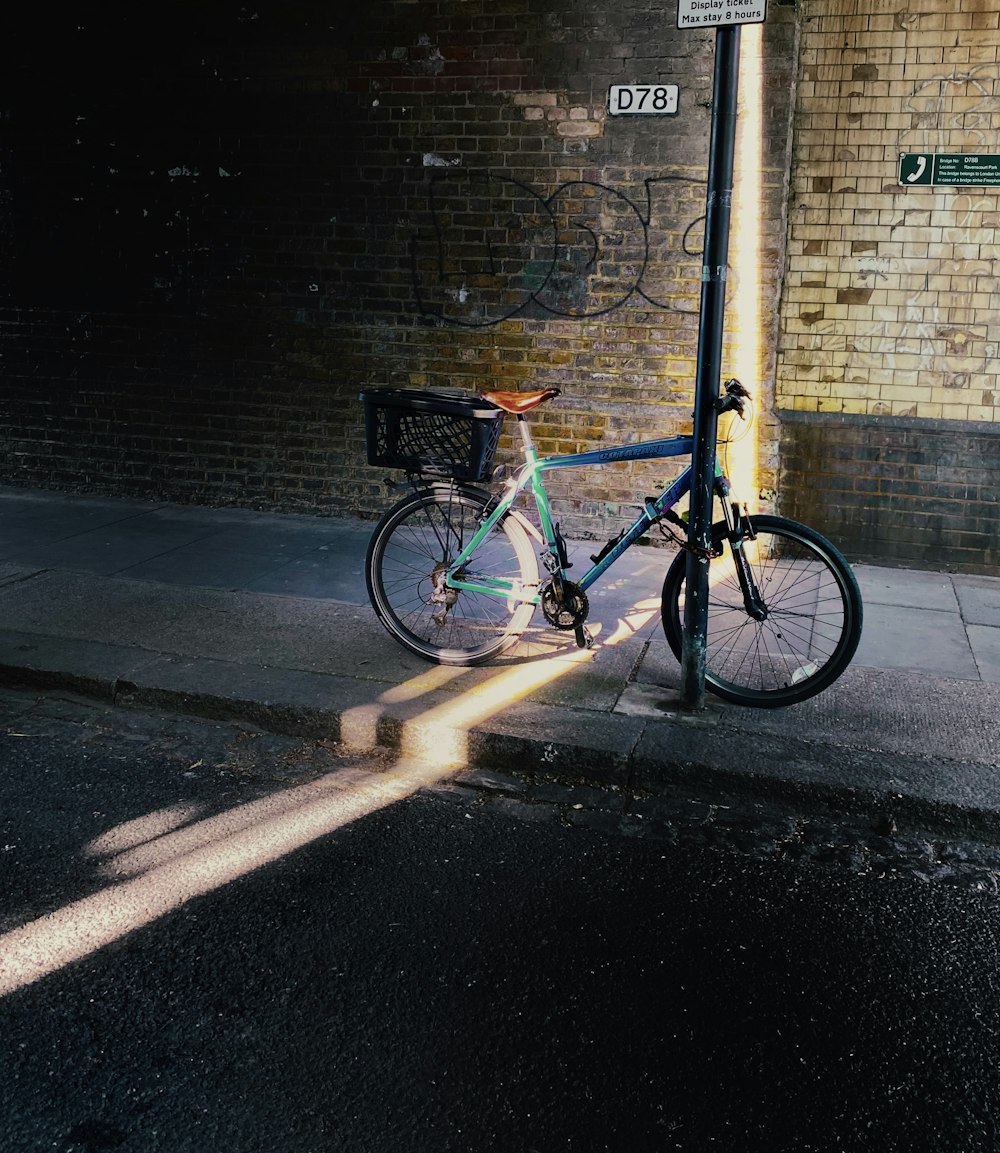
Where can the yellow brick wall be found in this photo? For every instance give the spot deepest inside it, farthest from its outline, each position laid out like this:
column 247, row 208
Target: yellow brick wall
column 892, row 298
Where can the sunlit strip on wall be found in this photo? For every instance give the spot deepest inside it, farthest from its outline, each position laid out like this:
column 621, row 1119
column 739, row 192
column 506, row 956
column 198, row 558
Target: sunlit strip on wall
column 745, row 312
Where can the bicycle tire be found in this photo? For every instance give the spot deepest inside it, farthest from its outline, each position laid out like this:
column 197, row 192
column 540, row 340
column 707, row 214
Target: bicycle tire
column 415, row 541
column 813, row 623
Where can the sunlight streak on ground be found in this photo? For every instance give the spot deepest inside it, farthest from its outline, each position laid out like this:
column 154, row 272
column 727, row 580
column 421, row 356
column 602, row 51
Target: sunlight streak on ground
column 634, row 622
column 158, row 862
column 141, row 830
column 442, row 731
column 202, row 858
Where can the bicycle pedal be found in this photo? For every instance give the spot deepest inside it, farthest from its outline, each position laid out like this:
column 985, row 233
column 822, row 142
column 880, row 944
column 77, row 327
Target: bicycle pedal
column 583, row 638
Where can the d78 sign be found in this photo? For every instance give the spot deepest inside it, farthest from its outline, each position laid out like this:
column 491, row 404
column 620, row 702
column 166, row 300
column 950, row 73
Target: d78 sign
column 643, row 99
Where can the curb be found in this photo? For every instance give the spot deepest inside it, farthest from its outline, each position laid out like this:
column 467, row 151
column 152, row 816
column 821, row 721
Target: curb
column 674, row 757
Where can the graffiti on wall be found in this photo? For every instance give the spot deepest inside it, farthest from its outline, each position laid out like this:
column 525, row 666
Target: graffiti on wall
column 489, row 247
column 958, row 108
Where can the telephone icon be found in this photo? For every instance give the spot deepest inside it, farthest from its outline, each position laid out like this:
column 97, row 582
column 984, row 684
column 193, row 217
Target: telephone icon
column 916, row 168
column 919, row 170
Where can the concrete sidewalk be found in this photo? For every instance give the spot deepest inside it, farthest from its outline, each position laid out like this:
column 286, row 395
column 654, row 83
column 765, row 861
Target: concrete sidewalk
column 265, row 618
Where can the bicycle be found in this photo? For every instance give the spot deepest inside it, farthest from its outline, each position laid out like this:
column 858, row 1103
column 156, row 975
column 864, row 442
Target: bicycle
column 452, row 571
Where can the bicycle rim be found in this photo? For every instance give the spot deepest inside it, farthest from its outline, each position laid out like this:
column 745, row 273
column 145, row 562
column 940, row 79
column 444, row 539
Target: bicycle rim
column 410, row 550
column 813, row 622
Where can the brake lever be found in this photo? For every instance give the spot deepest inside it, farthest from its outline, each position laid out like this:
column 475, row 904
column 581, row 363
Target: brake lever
column 734, row 400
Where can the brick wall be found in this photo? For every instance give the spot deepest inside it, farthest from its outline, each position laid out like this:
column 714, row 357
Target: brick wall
column 898, row 490
column 218, row 233
column 888, row 359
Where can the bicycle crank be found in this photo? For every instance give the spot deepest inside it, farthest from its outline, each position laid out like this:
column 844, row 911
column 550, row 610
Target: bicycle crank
column 566, row 607
column 565, row 611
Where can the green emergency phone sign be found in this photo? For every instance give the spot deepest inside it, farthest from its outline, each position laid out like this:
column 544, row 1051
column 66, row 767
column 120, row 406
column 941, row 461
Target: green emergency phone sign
column 916, row 168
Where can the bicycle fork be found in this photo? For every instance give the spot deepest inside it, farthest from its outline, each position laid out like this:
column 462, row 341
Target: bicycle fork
column 739, row 529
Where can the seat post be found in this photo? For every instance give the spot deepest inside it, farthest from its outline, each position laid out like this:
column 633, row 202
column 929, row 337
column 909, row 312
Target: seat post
column 525, row 431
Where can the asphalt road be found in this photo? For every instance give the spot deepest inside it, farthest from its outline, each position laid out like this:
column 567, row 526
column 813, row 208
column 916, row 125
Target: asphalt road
column 206, row 946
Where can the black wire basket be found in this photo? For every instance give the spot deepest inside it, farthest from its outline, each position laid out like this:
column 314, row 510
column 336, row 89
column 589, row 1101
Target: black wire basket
column 448, row 434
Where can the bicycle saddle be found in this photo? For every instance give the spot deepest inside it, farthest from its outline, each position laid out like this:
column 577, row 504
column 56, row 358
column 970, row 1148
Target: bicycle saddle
column 518, row 402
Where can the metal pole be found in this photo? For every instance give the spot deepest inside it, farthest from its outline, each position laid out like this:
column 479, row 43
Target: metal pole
column 709, row 371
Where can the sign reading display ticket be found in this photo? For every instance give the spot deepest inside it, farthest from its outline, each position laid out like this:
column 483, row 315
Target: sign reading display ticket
column 710, row 13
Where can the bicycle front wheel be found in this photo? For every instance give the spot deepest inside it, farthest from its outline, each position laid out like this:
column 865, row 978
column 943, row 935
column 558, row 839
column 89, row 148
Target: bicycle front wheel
column 412, row 548
column 811, row 607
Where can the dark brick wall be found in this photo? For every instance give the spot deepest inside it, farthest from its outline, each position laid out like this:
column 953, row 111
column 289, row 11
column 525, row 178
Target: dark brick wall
column 224, row 220
column 917, row 493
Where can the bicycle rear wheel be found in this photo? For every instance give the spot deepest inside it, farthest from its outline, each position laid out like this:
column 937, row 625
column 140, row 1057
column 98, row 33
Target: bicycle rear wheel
column 812, row 624
column 410, row 551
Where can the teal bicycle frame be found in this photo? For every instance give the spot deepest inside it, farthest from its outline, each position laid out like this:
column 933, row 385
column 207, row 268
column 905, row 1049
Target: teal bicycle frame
column 528, row 478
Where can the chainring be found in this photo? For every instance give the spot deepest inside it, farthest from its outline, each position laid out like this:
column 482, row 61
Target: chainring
column 574, row 608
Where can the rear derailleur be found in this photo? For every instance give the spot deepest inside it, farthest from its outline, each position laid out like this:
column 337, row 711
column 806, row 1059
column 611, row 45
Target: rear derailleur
column 441, row 594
